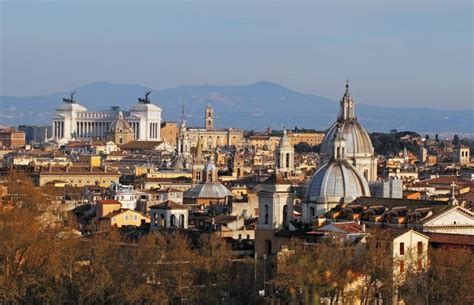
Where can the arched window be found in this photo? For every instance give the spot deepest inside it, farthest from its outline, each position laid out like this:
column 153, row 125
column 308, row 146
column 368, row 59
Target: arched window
column 181, row 221
column 173, row 220
column 162, row 221
column 266, row 214
column 285, row 215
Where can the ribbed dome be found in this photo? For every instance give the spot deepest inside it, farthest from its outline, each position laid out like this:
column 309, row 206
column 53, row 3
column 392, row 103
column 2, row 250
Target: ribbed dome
column 358, row 142
column 336, row 180
column 208, row 190
column 120, row 124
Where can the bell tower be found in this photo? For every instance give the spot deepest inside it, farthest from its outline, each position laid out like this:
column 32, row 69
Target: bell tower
column 285, row 155
column 209, row 117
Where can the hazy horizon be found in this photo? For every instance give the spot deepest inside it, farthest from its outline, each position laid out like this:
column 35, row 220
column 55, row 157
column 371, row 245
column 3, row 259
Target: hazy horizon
column 395, row 54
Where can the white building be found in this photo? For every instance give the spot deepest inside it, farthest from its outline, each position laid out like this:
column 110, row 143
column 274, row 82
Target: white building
column 389, row 188
column 124, row 194
column 285, row 155
column 455, row 220
column 168, row 215
column 73, row 121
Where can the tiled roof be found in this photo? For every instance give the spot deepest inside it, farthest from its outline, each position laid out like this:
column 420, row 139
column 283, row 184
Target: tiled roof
column 452, row 239
column 75, row 170
column 395, row 202
column 108, row 201
column 140, row 145
column 168, row 205
column 169, row 190
column 349, row 227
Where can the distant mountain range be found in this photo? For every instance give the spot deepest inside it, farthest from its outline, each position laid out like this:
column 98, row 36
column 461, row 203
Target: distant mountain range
column 255, row 106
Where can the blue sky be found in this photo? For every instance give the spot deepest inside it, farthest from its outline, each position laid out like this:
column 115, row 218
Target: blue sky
column 410, row 53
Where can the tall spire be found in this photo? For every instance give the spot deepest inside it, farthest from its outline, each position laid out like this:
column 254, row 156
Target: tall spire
column 198, row 157
column 183, row 117
column 347, row 105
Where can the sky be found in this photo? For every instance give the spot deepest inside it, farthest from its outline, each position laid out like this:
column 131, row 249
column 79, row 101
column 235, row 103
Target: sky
column 395, row 53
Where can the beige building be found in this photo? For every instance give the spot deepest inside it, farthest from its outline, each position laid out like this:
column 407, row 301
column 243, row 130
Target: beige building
column 78, row 175
column 310, row 138
column 264, row 142
column 120, row 131
column 211, row 139
column 169, row 132
column 122, row 218
column 12, row 138
column 462, row 155
column 106, row 206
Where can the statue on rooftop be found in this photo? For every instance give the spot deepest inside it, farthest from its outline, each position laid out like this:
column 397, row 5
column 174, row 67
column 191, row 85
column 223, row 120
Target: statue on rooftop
column 145, row 100
column 71, row 99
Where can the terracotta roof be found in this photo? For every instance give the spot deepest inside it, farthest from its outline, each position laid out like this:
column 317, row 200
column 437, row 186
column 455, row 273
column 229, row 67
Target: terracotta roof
column 396, row 202
column 169, row 190
column 140, row 145
column 451, row 239
column 118, row 212
column 349, row 227
column 108, row 201
column 168, row 205
column 76, row 169
column 175, row 180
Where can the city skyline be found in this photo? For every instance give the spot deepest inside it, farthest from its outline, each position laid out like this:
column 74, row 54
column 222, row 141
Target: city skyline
column 397, row 54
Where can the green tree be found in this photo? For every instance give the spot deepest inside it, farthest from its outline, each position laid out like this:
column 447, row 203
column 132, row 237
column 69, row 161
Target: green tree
column 456, row 140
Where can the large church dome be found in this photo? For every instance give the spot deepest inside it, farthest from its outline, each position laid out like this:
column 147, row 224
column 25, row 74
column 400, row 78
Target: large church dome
column 358, row 141
column 337, row 180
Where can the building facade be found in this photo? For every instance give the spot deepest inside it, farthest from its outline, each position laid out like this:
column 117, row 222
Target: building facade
column 73, row 121
column 12, row 138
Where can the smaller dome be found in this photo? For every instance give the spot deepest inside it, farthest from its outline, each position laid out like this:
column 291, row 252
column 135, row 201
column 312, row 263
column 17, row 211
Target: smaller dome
column 120, row 124
column 337, row 180
column 208, row 190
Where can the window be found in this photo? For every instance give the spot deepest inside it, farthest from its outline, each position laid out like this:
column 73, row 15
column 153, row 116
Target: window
column 311, row 212
column 126, row 217
column 285, row 215
column 420, row 264
column 402, row 248
column 240, row 236
column 135, row 217
column 173, row 220
column 420, row 248
column 248, row 236
column 266, row 214
column 181, row 221
column 402, row 266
